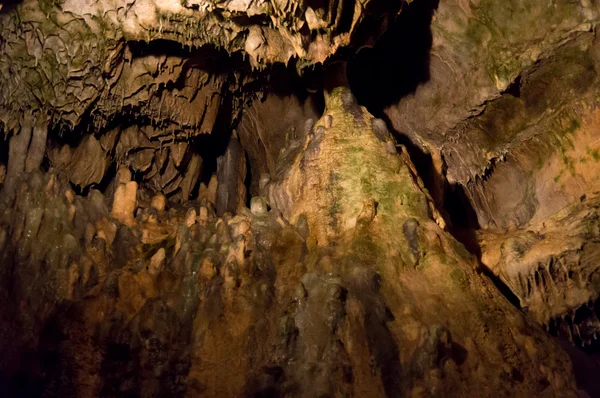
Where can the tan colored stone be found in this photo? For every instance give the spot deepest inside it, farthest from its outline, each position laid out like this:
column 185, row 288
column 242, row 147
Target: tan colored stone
column 159, row 202
column 209, row 192
column 154, row 233
column 106, row 230
column 72, row 210
column 157, row 262
column 203, row 215
column 125, row 202
column 258, row 206
column 190, row 218
column 89, row 233
column 2, row 173
column 207, row 269
column 213, row 185
column 123, row 175
column 70, row 195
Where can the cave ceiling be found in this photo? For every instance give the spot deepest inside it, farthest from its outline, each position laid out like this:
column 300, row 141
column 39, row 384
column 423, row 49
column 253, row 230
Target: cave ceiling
column 299, row 197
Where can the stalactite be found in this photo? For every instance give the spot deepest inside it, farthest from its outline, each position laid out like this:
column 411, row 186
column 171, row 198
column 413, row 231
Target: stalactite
column 17, row 155
column 37, row 146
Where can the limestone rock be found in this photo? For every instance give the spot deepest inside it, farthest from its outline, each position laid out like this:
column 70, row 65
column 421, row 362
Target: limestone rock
column 125, row 273
column 159, row 202
column 125, row 202
column 258, row 206
column 157, row 262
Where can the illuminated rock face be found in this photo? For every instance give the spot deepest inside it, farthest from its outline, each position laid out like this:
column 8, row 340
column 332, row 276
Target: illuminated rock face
column 363, row 294
column 96, row 50
column 194, row 202
column 377, row 225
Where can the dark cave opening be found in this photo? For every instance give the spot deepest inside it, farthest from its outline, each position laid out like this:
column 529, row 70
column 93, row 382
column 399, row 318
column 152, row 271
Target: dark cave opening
column 283, row 81
column 585, row 357
column 4, row 138
column 397, row 63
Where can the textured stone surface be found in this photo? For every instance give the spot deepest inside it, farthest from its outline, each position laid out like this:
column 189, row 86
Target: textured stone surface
column 552, row 268
column 341, row 278
column 508, row 83
column 373, row 298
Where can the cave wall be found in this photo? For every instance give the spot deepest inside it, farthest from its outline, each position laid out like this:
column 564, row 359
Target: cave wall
column 506, row 81
column 273, row 126
column 205, row 225
column 356, row 291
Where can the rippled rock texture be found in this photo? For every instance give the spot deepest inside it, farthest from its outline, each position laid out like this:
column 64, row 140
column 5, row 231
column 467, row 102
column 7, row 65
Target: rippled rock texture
column 299, row 198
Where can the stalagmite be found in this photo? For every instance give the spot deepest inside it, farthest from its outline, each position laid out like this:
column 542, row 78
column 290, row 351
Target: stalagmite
column 159, row 202
column 231, row 173
column 209, row 192
column 191, row 176
column 106, row 230
column 203, row 215
column 390, row 208
column 157, row 262
column 265, row 178
column 125, row 202
column 190, row 218
column 17, row 154
column 212, row 188
column 258, row 206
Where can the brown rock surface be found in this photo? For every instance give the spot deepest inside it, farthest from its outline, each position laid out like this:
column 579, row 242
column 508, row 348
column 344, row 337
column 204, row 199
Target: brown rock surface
column 135, row 134
column 376, row 299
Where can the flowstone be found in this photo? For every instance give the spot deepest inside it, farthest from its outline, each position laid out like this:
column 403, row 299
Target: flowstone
column 363, row 294
column 431, row 323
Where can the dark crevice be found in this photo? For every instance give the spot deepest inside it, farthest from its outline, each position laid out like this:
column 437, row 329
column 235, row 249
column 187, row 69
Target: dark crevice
column 248, row 180
column 515, row 88
column 8, row 5
column 109, row 176
column 346, row 16
column 379, row 77
column 398, row 62
column 207, row 57
column 284, row 81
column 500, row 285
column 585, row 359
column 3, row 146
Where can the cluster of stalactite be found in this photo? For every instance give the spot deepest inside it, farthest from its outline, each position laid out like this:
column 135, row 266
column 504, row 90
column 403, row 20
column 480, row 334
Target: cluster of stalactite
column 552, row 268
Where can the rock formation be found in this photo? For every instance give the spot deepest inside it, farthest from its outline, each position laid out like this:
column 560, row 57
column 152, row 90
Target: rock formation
column 299, row 198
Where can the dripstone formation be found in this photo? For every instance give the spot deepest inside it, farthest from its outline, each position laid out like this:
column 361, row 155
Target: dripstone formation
column 299, row 198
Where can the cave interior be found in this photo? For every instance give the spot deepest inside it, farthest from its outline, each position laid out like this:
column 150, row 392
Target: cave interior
column 302, row 198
